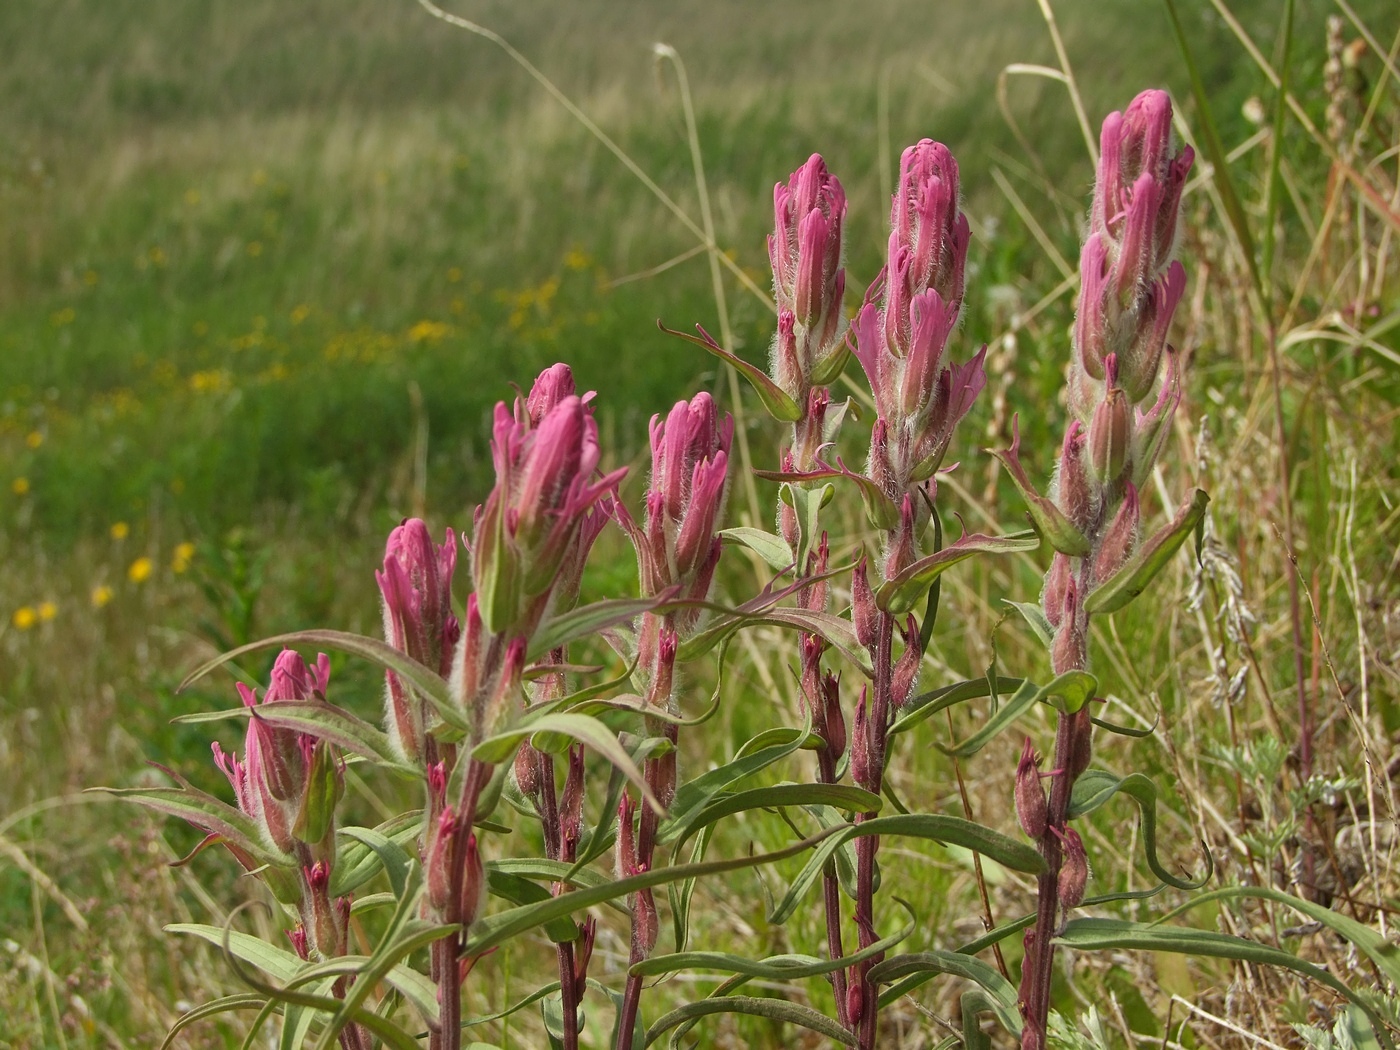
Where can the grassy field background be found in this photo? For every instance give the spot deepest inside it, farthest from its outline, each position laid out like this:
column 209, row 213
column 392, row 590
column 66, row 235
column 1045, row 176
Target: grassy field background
column 265, row 269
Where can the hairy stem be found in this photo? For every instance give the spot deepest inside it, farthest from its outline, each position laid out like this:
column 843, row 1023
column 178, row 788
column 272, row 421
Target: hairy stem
column 831, row 901
column 868, row 846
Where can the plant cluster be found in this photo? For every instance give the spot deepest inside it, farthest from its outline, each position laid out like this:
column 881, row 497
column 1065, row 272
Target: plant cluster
column 492, row 704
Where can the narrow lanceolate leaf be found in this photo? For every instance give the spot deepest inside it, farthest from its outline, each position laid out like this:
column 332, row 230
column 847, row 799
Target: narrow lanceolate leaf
column 773, row 968
column 772, row 1009
column 494, row 930
column 914, row 969
column 806, row 502
column 425, row 680
column 772, row 549
column 1099, row 934
column 1058, row 530
column 879, row 508
column 589, row 619
column 1095, row 787
column 205, row 811
column 1132, row 579
column 903, row 593
column 242, row 1001
column 588, row 731
column 357, row 862
column 1069, row 692
column 273, row 961
column 774, row 398
column 1018, row 856
column 1384, row 953
column 392, row 857
column 757, row 754
column 316, row 718
column 840, row 796
column 924, row 706
column 519, row 890
column 1035, row 618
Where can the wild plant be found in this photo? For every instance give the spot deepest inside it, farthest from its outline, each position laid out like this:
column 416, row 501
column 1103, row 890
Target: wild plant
column 489, row 701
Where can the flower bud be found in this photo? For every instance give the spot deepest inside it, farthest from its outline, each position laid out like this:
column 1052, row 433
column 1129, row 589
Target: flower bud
column 473, row 884
column 438, row 861
column 297, row 935
column 527, row 771
column 1031, row 807
column 1081, row 742
column 583, row 952
column 1068, row 651
column 571, row 805
column 855, row 1001
column 925, row 219
column 1118, row 541
column 1074, row 869
column 864, row 613
column 901, row 550
column 1056, row 586
column 1110, row 436
column 862, row 762
column 812, row 597
column 1076, row 493
column 906, row 671
column 835, row 720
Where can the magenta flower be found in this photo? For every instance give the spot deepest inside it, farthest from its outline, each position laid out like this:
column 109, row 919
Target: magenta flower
column 416, row 585
column 546, row 457
column 808, row 281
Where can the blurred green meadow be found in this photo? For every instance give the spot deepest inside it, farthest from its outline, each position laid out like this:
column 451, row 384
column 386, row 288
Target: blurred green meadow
column 265, row 268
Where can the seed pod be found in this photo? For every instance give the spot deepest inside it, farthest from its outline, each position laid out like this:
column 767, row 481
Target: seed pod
column 1074, row 869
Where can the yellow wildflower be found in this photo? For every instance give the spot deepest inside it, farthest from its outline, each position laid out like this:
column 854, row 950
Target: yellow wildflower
column 300, row 313
column 47, row 611
column 180, row 560
column 427, row 332
column 101, row 595
column 34, row 439
column 19, row 486
column 24, row 618
column 120, row 530
column 140, row 570
column 254, row 249
column 90, row 278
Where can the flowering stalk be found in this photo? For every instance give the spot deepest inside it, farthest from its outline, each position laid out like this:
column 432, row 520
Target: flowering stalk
column 901, row 336
column 1129, row 290
column 289, row 783
column 532, row 537
column 678, row 550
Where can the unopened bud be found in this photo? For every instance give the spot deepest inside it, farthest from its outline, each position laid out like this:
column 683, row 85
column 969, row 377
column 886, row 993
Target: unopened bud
column 1074, row 869
column 527, row 771
column 439, row 860
column 855, row 1001
column 1076, row 493
column 1110, row 435
column 864, row 612
column 1056, row 586
column 906, row 671
column 1069, row 652
column 297, row 935
column 583, row 952
column 861, row 760
column 813, row 596
column 1120, row 538
column 1031, row 807
column 835, row 717
column 571, row 805
column 902, row 551
column 473, row 884
column 1081, row 742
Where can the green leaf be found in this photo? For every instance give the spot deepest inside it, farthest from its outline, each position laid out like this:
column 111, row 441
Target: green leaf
column 778, row 404
column 520, row 890
column 695, row 795
column 806, row 500
column 772, row 1009
column 356, row 862
column 1069, row 692
column 514, row 1008
column 494, row 930
column 1100, row 934
column 1132, row 579
column 916, row 968
column 324, row 786
column 241, row 1001
column 879, row 508
column 317, row 718
column 1384, row 953
column 1018, row 856
column 1062, row 534
column 590, row 619
column 1095, row 787
column 1034, row 616
column 919, row 708
column 600, row 837
column 772, row 549
column 840, row 796
column 273, row 961
column 392, row 857
column 423, row 679
column 681, row 893
column 589, row 731
column 204, row 811
column 773, row 968
column 903, row 593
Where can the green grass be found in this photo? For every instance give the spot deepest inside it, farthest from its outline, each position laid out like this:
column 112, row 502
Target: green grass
column 239, row 243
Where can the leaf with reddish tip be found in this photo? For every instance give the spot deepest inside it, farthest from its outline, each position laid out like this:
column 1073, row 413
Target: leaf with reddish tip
column 1132, row 579
column 901, row 594
column 205, row 811
column 779, row 405
column 1061, row 533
